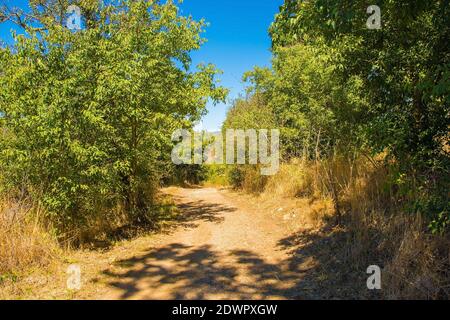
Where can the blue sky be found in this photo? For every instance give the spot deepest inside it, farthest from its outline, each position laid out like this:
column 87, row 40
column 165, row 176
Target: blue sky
column 237, row 41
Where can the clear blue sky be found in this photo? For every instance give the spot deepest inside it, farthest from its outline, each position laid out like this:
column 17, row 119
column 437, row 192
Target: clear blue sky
column 237, row 41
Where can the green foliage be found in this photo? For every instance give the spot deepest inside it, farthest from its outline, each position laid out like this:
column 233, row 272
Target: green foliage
column 188, row 173
column 309, row 100
column 338, row 87
column 250, row 113
column 88, row 115
column 217, row 174
column 405, row 79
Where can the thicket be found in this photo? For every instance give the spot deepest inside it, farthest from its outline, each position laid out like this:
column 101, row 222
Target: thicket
column 338, row 89
column 87, row 115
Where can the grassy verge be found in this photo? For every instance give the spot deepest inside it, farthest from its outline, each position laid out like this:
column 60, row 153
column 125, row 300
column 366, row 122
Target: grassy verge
column 34, row 261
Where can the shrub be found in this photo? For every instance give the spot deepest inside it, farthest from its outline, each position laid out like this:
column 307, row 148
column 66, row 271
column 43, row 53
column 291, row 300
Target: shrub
column 87, row 116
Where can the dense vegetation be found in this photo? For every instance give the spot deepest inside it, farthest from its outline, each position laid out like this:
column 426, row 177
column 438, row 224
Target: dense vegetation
column 337, row 88
column 364, row 120
column 87, row 115
column 86, row 118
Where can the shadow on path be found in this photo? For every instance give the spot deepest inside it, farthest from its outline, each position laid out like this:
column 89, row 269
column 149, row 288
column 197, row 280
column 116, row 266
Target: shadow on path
column 178, row 271
column 317, row 267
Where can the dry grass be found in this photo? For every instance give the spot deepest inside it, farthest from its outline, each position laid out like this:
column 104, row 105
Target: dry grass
column 27, row 238
column 415, row 263
column 373, row 230
column 292, row 180
column 24, row 240
column 33, row 262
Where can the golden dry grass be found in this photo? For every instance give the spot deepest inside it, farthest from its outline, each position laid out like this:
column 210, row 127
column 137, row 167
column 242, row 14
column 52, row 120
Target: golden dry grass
column 24, row 240
column 416, row 263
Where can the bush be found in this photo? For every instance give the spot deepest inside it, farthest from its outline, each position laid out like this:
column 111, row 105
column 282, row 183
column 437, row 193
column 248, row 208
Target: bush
column 377, row 226
column 87, row 116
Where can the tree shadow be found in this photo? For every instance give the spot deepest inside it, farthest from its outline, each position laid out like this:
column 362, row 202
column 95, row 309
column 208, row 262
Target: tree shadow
column 319, row 266
column 181, row 272
column 202, row 211
column 315, row 269
column 337, row 267
column 195, row 212
column 165, row 218
column 196, row 270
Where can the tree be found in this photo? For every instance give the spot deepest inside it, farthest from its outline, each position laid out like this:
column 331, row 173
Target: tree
column 400, row 73
column 89, row 113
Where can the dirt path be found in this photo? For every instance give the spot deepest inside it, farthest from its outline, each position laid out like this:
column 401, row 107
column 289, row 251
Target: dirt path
column 222, row 248
column 220, row 245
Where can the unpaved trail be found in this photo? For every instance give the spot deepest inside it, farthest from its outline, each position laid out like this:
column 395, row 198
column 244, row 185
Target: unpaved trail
column 222, row 248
